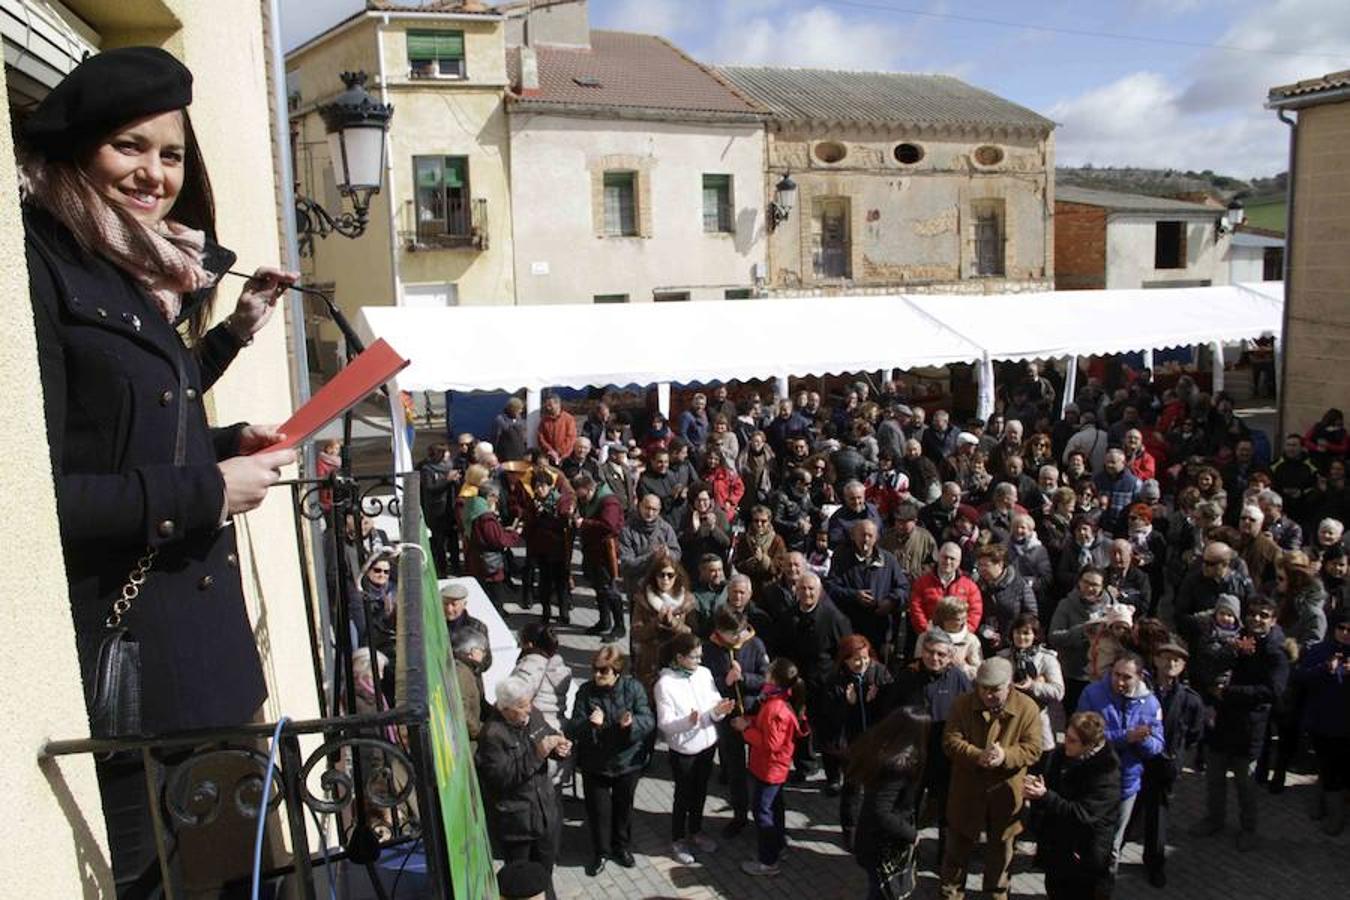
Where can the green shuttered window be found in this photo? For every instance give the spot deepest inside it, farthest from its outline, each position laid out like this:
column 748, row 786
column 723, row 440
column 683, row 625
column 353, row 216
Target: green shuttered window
column 434, row 54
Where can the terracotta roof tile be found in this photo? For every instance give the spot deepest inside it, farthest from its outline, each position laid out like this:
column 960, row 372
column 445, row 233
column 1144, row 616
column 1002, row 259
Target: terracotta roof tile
column 1330, row 81
column 629, row 71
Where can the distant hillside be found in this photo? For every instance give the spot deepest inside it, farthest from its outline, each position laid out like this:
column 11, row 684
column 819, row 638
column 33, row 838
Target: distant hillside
column 1172, row 182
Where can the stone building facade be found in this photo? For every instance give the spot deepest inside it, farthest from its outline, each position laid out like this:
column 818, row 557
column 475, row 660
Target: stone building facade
column 904, row 182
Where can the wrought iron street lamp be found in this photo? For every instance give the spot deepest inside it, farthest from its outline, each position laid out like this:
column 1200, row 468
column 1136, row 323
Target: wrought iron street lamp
column 356, row 124
column 784, row 197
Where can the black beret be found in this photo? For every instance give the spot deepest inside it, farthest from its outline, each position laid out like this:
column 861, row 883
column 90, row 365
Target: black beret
column 522, row 879
column 108, row 89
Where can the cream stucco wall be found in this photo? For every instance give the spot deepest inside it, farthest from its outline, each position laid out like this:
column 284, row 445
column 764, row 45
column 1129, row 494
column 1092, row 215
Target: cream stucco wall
column 432, row 116
column 913, row 224
column 1130, row 246
column 56, row 824
column 555, row 163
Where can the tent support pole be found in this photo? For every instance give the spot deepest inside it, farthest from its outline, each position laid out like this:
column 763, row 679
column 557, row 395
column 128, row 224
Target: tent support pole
column 1216, row 363
column 663, row 398
column 534, row 403
column 984, row 406
column 1148, row 359
column 1070, row 383
column 781, row 391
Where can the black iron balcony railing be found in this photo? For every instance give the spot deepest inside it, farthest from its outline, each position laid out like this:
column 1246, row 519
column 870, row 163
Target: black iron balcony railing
column 373, row 772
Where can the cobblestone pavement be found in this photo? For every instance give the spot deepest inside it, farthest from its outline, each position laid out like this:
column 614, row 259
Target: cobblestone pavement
column 1294, row 858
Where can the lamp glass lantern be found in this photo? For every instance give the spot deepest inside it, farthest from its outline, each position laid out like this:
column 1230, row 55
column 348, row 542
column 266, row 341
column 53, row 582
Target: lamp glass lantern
column 356, row 124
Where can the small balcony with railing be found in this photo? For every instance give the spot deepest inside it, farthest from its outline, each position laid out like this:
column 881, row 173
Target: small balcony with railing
column 463, row 226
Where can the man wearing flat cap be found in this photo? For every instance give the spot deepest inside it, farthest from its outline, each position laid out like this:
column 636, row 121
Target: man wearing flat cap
column 1183, row 726
column 992, row 735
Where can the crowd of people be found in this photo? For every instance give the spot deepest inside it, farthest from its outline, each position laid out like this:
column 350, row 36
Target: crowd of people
column 1035, row 622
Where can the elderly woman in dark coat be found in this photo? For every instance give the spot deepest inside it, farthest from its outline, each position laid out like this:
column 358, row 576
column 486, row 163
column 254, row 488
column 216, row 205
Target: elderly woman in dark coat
column 514, row 747
column 610, row 726
column 1078, row 807
column 120, row 239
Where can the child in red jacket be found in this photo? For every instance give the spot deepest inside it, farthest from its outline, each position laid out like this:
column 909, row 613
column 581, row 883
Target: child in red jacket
column 772, row 736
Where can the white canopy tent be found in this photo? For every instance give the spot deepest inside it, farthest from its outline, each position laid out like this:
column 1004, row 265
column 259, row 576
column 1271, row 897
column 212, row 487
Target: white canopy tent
column 508, row 348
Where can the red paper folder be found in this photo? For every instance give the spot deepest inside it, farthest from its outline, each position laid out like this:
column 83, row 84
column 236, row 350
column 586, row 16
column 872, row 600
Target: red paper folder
column 361, row 377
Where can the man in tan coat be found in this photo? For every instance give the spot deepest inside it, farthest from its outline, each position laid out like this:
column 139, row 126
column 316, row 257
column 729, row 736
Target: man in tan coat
column 991, row 736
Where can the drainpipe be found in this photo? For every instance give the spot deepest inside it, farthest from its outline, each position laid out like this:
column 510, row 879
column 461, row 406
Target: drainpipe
column 295, row 309
column 1282, row 358
column 389, row 167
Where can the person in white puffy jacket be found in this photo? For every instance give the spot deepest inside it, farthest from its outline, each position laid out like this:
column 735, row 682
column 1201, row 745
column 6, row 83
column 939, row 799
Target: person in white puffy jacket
column 688, row 708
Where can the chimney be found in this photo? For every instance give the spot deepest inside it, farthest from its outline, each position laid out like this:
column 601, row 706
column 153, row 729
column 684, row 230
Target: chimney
column 529, row 71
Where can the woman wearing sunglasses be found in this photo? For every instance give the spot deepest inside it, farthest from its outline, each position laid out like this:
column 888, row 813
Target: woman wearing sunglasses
column 610, row 724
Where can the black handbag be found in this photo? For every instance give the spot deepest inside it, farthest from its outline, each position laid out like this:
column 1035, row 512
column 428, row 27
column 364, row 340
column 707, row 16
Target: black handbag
column 115, row 707
column 896, row 872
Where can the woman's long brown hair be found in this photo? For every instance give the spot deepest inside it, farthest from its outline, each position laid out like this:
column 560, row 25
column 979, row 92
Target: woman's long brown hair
column 195, row 207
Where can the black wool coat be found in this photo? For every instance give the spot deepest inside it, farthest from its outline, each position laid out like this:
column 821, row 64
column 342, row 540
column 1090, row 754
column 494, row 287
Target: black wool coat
column 134, row 463
column 1076, row 819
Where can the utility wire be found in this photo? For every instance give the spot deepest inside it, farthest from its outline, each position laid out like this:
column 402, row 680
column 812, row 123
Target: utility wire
column 1076, row 32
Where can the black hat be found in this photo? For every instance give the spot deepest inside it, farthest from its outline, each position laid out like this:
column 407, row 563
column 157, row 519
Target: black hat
column 522, row 879
column 107, row 90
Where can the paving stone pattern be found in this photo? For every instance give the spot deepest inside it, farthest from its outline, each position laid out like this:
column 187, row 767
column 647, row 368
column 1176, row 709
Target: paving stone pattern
column 1294, row 859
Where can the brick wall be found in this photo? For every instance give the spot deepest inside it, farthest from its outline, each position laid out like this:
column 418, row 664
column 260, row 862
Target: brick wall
column 1317, row 338
column 1080, row 247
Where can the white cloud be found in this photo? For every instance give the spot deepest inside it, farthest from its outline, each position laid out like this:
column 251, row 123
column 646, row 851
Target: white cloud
column 816, row 37
column 646, row 16
column 1212, row 116
column 1140, row 120
column 1317, row 30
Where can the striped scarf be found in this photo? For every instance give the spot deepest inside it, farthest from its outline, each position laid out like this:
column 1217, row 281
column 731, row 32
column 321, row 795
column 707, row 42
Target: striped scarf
column 166, row 260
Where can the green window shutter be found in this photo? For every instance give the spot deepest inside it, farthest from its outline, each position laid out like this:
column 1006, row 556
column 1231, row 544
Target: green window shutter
column 427, row 46
column 421, row 46
column 450, row 45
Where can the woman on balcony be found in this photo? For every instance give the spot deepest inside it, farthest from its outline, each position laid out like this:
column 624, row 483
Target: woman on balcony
column 122, row 262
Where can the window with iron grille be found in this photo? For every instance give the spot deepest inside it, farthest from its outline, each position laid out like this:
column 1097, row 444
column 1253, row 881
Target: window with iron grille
column 436, row 54
column 621, row 212
column 610, row 298
column 717, row 210
column 989, row 237
column 442, row 197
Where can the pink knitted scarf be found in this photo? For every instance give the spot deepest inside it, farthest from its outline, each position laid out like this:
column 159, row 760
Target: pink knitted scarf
column 166, row 260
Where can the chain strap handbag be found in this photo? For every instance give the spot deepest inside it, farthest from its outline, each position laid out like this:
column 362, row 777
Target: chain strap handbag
column 896, row 871
column 115, row 708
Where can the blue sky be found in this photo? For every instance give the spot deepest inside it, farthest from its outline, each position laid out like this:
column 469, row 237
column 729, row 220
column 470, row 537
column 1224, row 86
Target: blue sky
column 1121, row 102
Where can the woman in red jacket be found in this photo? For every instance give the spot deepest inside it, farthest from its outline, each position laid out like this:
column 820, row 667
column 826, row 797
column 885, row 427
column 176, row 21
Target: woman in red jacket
column 772, row 736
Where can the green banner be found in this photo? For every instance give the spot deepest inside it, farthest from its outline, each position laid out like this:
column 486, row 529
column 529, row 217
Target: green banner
column 472, row 872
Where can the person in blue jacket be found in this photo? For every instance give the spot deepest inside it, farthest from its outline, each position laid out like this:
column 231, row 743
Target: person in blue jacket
column 1134, row 729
